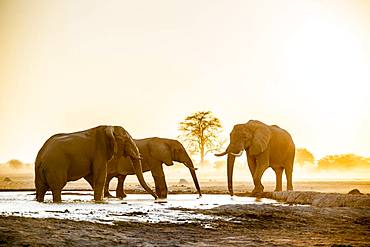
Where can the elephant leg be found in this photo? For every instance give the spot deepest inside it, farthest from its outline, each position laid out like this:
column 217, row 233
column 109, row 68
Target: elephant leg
column 106, row 186
column 157, row 187
column 279, row 174
column 160, row 187
column 57, row 195
column 119, row 190
column 56, row 182
column 100, row 174
column 40, row 185
column 160, row 182
column 261, row 165
column 288, row 174
column 289, row 171
column 40, row 192
column 251, row 164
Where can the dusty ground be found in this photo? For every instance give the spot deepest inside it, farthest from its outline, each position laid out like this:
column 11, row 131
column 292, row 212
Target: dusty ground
column 244, row 225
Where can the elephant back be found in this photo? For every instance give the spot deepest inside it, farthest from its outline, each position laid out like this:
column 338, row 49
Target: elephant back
column 279, row 129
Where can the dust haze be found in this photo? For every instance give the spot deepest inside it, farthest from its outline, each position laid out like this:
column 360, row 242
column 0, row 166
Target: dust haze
column 15, row 174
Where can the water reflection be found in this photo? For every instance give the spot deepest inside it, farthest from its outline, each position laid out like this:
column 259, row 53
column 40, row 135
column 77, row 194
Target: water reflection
column 135, row 207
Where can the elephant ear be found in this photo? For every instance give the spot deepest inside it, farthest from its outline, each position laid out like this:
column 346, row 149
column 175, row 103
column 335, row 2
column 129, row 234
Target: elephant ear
column 161, row 151
column 261, row 139
column 109, row 131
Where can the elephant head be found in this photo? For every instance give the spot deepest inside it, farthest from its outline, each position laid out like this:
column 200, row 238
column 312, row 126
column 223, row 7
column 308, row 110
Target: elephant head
column 253, row 136
column 167, row 150
column 124, row 145
column 121, row 143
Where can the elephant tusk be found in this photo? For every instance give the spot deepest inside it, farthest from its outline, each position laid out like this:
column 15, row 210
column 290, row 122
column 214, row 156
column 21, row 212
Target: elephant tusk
column 238, row 154
column 136, row 157
column 190, row 167
column 221, row 154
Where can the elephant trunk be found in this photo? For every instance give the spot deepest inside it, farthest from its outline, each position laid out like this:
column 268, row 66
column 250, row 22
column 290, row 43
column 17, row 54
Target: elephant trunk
column 195, row 179
column 189, row 164
column 230, row 169
column 134, row 154
column 136, row 163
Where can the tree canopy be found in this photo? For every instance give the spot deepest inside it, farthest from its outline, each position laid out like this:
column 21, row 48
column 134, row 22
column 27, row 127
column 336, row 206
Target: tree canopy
column 201, row 133
column 15, row 164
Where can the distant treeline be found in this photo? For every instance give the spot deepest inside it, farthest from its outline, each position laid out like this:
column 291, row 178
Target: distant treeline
column 16, row 165
column 343, row 161
column 303, row 158
column 332, row 162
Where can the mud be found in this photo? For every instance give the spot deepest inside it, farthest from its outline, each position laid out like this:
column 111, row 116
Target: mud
column 235, row 225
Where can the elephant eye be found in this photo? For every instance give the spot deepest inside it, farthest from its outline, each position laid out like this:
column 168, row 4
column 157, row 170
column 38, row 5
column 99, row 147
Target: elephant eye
column 245, row 137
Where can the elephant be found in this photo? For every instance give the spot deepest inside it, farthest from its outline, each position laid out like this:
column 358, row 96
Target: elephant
column 265, row 146
column 84, row 154
column 155, row 151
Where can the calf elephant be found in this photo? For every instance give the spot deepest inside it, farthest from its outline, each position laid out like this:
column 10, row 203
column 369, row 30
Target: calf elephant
column 155, row 151
column 266, row 146
column 84, row 154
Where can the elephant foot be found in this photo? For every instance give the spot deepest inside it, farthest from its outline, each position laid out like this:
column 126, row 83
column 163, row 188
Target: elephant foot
column 40, row 199
column 257, row 190
column 278, row 189
column 57, row 196
column 121, row 196
column 108, row 195
column 162, row 196
column 100, row 201
column 160, row 200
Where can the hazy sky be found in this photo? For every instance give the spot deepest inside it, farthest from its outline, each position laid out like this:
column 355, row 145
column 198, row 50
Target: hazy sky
column 71, row 65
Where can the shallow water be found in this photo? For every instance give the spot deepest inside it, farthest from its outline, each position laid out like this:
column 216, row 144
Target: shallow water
column 135, row 207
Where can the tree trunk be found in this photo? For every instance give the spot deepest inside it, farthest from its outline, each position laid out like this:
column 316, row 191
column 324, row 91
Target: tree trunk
column 202, row 155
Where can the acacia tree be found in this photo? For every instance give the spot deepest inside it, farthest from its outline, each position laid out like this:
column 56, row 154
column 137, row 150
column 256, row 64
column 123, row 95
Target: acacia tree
column 15, row 164
column 201, row 133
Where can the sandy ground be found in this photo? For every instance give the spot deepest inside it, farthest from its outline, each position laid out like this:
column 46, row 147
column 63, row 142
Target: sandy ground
column 244, row 225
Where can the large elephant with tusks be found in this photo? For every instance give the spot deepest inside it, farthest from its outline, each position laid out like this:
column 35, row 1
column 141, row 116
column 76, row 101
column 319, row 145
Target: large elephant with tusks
column 83, row 154
column 266, row 146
